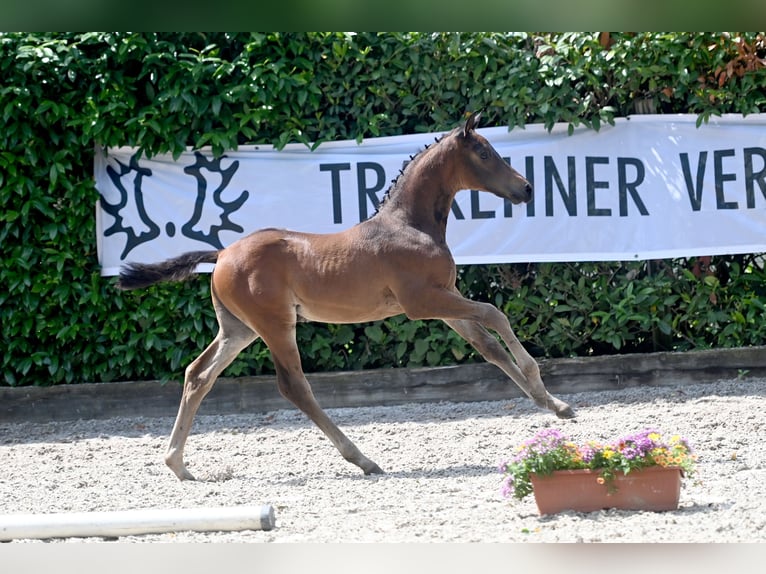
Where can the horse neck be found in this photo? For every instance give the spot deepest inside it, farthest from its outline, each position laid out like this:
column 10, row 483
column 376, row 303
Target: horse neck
column 423, row 195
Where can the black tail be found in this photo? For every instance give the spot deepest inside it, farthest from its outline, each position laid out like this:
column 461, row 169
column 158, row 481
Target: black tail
column 139, row 275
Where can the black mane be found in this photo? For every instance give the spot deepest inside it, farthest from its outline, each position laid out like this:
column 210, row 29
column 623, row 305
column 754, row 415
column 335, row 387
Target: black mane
column 403, row 170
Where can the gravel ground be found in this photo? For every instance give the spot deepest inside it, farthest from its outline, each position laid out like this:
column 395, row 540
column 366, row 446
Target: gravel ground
column 442, row 483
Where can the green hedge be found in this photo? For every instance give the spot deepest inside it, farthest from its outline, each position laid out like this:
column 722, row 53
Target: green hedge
column 63, row 93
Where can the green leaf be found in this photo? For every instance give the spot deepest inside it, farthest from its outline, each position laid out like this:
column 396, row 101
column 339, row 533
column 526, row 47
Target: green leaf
column 375, row 333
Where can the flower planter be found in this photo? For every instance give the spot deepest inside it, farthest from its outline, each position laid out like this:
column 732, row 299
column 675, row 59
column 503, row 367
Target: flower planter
column 655, row 488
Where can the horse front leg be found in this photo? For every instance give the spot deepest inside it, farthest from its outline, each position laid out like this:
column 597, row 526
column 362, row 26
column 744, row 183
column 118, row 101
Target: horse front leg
column 526, row 375
column 471, row 319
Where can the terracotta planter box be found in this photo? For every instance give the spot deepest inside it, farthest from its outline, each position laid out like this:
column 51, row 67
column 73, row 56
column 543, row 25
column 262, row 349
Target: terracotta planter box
column 655, row 488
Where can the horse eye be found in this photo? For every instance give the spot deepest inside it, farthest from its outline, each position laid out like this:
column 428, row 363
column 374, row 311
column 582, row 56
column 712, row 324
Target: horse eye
column 484, row 154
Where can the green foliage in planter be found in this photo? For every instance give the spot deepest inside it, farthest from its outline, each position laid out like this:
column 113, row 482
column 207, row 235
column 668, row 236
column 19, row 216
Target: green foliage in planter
column 64, row 93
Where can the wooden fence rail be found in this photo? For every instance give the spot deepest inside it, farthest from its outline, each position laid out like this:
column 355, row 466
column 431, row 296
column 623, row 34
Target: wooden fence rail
column 477, row 382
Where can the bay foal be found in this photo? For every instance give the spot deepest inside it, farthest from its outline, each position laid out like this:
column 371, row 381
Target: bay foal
column 396, row 262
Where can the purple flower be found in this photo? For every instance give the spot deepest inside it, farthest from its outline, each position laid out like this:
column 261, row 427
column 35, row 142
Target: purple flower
column 543, row 442
column 588, row 452
column 630, row 452
column 506, row 487
column 639, row 445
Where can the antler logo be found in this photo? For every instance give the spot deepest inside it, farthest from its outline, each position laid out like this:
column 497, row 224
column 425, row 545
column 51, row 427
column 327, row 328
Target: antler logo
column 133, row 239
column 131, row 203
column 227, row 208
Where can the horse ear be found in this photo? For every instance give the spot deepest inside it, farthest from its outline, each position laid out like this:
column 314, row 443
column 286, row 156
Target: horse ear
column 472, row 122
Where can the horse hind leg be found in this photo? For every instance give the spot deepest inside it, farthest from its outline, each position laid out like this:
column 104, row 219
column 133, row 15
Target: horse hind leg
column 233, row 336
column 294, row 387
column 526, row 375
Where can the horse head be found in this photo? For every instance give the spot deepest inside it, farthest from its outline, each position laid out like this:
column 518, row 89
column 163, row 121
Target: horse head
column 483, row 169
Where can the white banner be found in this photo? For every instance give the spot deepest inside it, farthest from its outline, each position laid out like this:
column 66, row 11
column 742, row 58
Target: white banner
column 648, row 187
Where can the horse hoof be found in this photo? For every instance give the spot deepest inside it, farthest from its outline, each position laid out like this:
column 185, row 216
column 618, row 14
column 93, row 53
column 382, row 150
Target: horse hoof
column 181, row 472
column 374, row 469
column 566, row 413
column 186, row 475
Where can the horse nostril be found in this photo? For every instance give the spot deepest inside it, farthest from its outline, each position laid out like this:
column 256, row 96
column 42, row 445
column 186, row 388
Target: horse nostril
column 528, row 189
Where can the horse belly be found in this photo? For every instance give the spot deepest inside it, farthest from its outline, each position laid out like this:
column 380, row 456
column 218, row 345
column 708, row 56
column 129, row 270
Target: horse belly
column 349, row 308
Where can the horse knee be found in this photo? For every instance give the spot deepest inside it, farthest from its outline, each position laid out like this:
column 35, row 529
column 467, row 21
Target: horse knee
column 531, row 369
column 297, row 391
column 285, row 389
column 195, row 381
column 489, row 347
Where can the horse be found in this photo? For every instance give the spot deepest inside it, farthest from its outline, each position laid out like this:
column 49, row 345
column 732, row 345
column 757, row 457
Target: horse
column 395, row 262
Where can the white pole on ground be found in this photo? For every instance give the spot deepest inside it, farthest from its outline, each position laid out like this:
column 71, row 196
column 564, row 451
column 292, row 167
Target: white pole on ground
column 130, row 522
